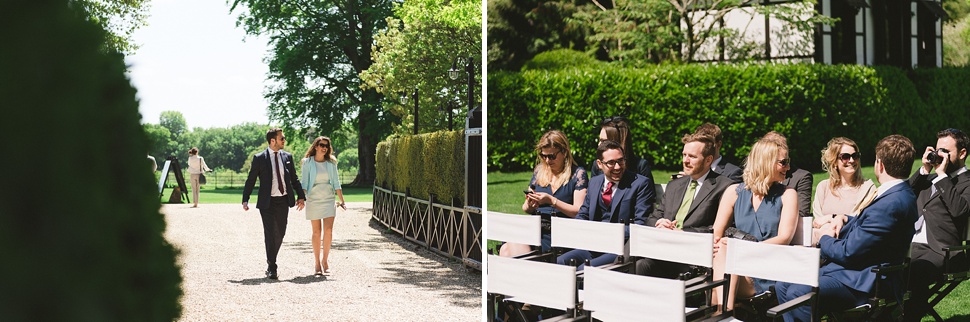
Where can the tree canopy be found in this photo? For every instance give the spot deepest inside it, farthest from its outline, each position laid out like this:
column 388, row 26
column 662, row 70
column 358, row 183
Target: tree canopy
column 319, row 47
column 119, row 18
column 423, row 41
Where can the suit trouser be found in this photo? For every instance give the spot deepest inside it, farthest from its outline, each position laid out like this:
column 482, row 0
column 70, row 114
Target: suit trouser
column 833, row 296
column 926, row 268
column 581, row 255
column 274, row 227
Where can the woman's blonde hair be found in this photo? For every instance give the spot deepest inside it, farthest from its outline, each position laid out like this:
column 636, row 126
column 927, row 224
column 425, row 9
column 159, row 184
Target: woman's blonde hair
column 760, row 164
column 830, row 159
column 544, row 176
column 312, row 150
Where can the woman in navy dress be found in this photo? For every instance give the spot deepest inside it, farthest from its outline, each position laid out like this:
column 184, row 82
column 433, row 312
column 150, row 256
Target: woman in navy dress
column 760, row 206
column 557, row 188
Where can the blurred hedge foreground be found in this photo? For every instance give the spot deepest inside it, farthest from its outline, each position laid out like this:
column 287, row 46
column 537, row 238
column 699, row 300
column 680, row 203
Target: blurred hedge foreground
column 80, row 228
column 808, row 103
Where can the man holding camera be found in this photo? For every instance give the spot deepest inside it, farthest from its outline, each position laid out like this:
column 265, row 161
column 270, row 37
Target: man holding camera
column 943, row 188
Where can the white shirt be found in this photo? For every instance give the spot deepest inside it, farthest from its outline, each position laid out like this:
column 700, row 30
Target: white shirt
column 277, row 157
column 700, row 182
column 605, row 181
column 920, row 236
column 714, row 164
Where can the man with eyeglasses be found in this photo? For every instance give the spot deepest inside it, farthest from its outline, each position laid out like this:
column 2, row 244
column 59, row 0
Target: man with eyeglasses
column 614, row 196
column 942, row 185
column 797, row 178
column 278, row 184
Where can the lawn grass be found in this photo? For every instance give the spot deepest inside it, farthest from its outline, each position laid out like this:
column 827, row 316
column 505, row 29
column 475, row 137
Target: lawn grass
column 234, row 196
column 505, row 195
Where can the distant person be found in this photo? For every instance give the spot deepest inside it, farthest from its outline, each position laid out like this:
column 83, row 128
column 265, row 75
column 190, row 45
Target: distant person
column 154, row 164
column 760, row 207
column 197, row 167
column 322, row 183
column 557, row 189
column 617, row 128
column 799, row 179
column 845, row 192
column 278, row 184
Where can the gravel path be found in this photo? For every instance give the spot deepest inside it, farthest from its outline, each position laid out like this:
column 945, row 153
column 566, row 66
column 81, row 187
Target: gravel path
column 376, row 275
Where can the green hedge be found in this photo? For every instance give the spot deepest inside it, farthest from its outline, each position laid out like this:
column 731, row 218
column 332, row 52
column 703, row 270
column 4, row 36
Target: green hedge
column 808, row 103
column 80, row 228
column 425, row 164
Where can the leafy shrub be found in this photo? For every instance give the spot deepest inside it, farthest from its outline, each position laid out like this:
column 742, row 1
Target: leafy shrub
column 559, row 59
column 424, row 164
column 80, row 227
column 808, row 103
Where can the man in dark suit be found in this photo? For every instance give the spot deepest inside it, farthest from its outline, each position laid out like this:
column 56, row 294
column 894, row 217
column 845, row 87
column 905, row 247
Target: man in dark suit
column 879, row 234
column 720, row 165
column 614, row 196
column 943, row 188
column 278, row 184
column 705, row 188
column 799, row 179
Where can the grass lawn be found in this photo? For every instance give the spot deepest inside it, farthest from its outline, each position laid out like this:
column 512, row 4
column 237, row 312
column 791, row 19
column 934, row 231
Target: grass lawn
column 505, row 195
column 234, row 196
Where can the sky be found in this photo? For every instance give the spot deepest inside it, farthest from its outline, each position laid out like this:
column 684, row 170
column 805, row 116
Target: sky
column 194, row 60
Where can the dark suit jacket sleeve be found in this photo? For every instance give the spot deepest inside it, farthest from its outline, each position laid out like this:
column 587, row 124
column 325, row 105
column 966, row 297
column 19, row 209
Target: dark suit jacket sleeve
column 856, row 247
column 667, row 201
column 645, row 198
column 295, row 180
column 804, row 189
column 956, row 197
column 583, row 213
column 254, row 167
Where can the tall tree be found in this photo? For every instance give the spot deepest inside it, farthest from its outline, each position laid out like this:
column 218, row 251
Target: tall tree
column 520, row 29
column 174, row 122
column 119, row 18
column 319, row 49
column 421, row 44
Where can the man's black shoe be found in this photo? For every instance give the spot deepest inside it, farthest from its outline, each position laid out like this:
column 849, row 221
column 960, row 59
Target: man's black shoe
column 271, row 275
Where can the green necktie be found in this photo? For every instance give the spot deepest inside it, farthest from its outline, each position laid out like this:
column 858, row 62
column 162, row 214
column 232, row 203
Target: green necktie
column 685, row 205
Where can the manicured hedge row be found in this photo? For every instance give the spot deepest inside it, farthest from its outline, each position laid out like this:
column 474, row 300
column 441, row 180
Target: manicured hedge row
column 432, row 163
column 808, row 103
column 80, row 229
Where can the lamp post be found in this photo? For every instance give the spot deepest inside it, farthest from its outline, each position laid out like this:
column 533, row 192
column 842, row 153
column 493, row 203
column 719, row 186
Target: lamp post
column 451, row 110
column 404, row 101
column 454, row 73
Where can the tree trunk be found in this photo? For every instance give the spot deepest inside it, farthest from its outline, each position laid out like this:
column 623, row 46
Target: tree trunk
column 367, row 147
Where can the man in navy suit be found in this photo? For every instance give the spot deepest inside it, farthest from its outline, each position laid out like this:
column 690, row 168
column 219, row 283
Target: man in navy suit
column 613, row 196
column 278, row 184
column 880, row 234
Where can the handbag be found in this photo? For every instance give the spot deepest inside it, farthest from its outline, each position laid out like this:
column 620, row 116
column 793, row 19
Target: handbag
column 202, row 178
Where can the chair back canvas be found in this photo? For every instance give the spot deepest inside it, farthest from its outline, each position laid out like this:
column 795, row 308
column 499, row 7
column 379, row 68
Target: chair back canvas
column 793, row 264
column 616, row 296
column 532, row 282
column 521, row 229
column 672, row 245
column 803, row 232
column 589, row 235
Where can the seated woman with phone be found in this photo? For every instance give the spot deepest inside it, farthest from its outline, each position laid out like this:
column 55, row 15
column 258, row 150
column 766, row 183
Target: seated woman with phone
column 557, row 188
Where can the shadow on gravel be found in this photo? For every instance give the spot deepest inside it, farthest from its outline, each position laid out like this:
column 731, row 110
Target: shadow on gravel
column 309, row 279
column 434, row 272
column 254, row 281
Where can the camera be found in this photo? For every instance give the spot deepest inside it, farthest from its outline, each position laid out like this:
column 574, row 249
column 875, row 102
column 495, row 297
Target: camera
column 934, row 156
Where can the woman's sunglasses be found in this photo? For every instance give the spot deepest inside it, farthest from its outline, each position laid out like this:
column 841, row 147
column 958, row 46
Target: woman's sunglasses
column 550, row 157
column 324, row 145
column 847, row 156
column 784, row 162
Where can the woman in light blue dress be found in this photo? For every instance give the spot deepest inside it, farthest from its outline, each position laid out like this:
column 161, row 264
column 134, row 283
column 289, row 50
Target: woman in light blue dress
column 760, row 206
column 322, row 184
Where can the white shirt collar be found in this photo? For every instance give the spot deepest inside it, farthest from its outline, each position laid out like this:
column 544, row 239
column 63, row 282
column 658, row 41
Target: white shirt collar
column 715, row 163
column 887, row 185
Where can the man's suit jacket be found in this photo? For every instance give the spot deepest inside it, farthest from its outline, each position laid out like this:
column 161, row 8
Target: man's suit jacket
column 634, row 198
column 729, row 170
column 881, row 233
column 945, row 212
column 642, row 168
column 702, row 211
column 262, row 168
column 801, row 181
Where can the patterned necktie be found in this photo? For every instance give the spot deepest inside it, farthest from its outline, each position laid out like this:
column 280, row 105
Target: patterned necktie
column 685, row 205
column 279, row 178
column 608, row 194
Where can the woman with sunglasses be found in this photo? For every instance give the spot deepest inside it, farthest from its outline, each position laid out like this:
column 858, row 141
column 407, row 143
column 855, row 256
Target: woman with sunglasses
column 557, row 188
column 760, row 206
column 321, row 181
column 845, row 192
